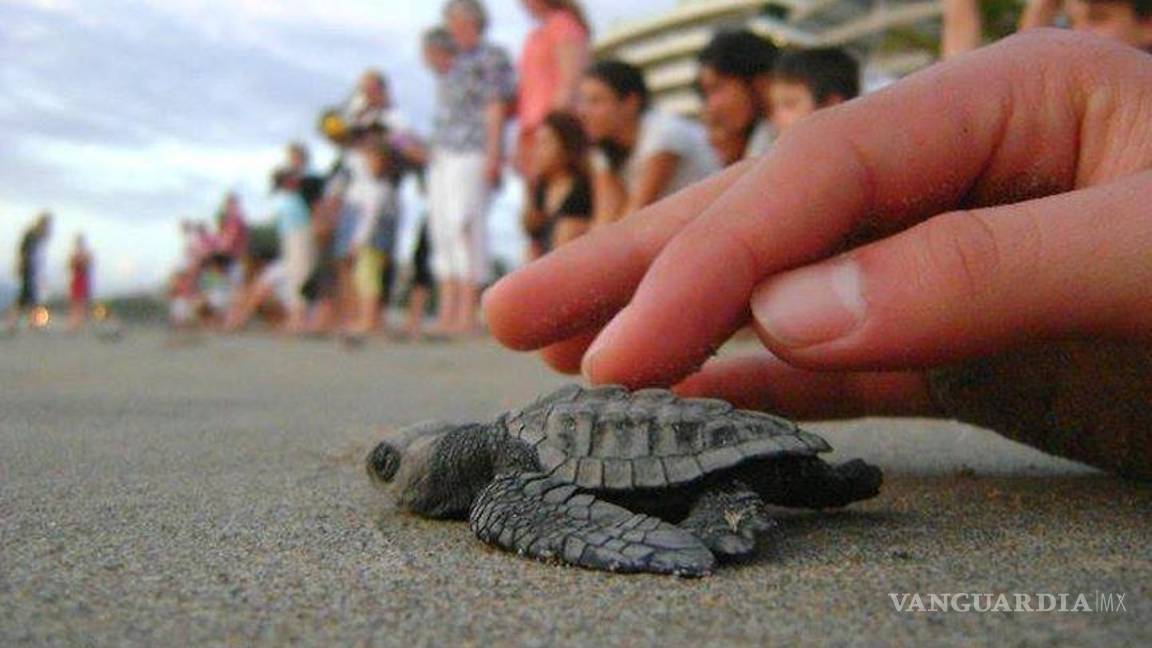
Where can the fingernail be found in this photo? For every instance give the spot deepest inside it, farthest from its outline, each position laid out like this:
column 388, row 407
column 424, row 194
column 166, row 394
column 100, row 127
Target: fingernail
column 812, row 305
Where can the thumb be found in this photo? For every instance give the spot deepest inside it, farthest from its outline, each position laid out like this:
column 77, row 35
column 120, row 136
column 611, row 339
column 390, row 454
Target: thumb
column 973, row 282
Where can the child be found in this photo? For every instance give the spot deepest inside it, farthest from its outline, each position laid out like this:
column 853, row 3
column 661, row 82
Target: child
column 373, row 199
column 804, row 81
column 183, row 299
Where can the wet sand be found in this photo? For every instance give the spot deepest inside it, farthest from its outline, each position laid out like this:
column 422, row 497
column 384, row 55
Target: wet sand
column 213, row 493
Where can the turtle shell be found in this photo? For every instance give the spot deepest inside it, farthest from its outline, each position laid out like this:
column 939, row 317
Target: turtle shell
column 609, row 438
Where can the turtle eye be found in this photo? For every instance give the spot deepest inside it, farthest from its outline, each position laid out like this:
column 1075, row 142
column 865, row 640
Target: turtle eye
column 383, row 462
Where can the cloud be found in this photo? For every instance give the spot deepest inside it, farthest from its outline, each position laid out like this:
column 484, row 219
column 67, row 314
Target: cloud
column 126, row 115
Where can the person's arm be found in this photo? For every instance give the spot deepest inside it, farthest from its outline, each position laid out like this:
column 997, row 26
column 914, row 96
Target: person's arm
column 652, row 180
column 495, row 115
column 500, row 86
column 532, row 218
column 608, row 196
column 1039, row 13
column 983, row 183
column 413, row 148
column 962, row 27
column 568, row 229
column 571, row 57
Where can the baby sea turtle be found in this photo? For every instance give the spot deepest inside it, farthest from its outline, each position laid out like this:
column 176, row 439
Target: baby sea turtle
column 610, row 479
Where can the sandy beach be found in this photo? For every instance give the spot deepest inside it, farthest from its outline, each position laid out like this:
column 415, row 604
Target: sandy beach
column 213, row 492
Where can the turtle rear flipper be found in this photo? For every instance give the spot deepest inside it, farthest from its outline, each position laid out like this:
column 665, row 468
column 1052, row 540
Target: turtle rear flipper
column 550, row 519
column 810, row 482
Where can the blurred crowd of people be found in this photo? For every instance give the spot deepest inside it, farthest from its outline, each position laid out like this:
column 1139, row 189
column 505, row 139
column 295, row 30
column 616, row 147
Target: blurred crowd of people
column 590, row 148
column 32, row 272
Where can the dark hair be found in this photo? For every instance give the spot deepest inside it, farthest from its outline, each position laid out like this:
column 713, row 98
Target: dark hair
column 572, row 139
column 625, row 80
column 827, row 71
column 738, row 53
column 439, row 38
column 473, row 7
column 281, row 178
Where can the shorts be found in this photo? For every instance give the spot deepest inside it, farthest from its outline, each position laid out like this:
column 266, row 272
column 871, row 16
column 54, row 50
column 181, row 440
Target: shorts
column 346, row 226
column 369, row 273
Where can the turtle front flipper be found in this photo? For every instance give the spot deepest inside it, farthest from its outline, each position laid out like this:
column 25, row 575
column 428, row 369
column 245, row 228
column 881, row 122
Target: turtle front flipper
column 550, row 519
column 727, row 520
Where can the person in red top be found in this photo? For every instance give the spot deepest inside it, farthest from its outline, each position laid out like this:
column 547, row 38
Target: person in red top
column 80, row 288
column 551, row 64
column 232, row 242
column 233, row 236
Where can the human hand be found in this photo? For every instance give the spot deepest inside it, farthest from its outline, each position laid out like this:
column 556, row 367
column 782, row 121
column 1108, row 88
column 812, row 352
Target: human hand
column 1005, row 197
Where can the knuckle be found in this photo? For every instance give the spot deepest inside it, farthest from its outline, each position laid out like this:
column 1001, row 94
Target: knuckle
column 963, row 249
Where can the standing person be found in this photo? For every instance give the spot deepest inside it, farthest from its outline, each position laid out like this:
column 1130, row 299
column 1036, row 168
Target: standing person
column 561, row 205
column 371, row 109
column 733, row 82
column 29, row 267
column 554, row 55
column 294, row 226
column 438, row 50
column 468, row 138
column 374, row 199
column 311, row 187
column 642, row 154
column 80, row 284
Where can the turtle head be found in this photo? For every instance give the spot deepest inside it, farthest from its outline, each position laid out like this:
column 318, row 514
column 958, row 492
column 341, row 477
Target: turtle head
column 385, row 459
column 383, row 462
column 437, row 469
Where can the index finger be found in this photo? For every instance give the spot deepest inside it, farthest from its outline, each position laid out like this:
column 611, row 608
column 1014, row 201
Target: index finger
column 580, row 286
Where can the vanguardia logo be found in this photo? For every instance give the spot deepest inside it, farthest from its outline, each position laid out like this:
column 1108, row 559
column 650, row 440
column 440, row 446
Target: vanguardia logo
column 1098, row 602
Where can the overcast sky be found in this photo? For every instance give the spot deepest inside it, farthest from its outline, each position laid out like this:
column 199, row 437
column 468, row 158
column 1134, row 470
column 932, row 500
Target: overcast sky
column 124, row 116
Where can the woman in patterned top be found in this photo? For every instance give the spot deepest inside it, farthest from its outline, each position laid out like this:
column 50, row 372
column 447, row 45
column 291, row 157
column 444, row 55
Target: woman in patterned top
column 473, row 104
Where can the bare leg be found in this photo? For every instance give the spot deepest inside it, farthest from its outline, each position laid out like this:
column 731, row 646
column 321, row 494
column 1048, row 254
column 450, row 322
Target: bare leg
column 12, row 319
column 468, row 301
column 346, row 297
column 449, row 294
column 323, row 316
column 417, row 303
column 76, row 311
column 569, row 229
column 246, row 306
